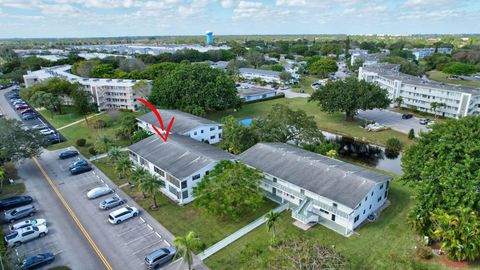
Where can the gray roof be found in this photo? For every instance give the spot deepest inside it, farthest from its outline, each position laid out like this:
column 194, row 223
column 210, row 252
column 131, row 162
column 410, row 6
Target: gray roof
column 339, row 181
column 180, row 156
column 260, row 71
column 184, row 122
column 252, row 91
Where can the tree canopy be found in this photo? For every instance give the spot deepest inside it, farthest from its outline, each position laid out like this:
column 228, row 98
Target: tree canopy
column 444, row 166
column 230, row 190
column 323, row 67
column 458, row 68
column 196, row 89
column 349, row 96
column 236, row 137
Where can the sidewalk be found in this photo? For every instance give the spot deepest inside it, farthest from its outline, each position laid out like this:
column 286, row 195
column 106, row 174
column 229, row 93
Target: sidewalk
column 236, row 235
column 79, row 121
column 104, row 155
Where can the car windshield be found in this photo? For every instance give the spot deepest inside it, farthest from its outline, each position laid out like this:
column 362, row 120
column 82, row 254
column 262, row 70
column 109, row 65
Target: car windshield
column 129, row 209
column 14, row 212
column 11, row 235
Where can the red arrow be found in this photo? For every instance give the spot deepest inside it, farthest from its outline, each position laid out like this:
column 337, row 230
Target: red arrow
column 159, row 117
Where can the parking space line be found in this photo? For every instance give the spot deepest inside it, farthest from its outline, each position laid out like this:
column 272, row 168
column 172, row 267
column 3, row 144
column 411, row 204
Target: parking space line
column 148, row 225
column 132, row 229
column 136, row 239
column 74, row 216
column 167, row 243
column 154, row 244
column 143, row 221
column 158, row 235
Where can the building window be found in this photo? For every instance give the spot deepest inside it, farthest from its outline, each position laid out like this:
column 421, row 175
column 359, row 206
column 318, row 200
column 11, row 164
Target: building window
column 364, row 212
column 381, row 186
column 302, row 191
column 365, row 198
column 386, row 192
column 174, row 181
column 333, row 217
column 379, row 199
column 194, row 133
column 370, row 207
column 197, row 176
column 184, row 194
column 323, row 211
column 160, row 172
column 184, row 184
column 372, row 194
column 220, row 127
column 274, row 179
column 212, row 137
column 212, row 128
column 143, row 161
column 207, row 172
column 201, row 131
column 334, row 205
column 388, row 182
column 173, row 191
column 356, row 219
column 133, row 154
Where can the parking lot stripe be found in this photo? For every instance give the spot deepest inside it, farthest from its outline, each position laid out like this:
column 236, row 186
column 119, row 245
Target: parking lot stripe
column 167, row 243
column 143, row 221
column 158, row 235
column 148, row 225
column 147, row 247
column 136, row 239
column 74, row 216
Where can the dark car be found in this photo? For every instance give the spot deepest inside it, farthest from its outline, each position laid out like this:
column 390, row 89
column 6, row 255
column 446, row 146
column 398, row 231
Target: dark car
column 15, row 201
column 29, row 116
column 27, row 111
column 80, row 169
column 67, row 154
column 80, row 162
column 159, row 257
column 37, row 261
column 53, row 138
column 407, row 116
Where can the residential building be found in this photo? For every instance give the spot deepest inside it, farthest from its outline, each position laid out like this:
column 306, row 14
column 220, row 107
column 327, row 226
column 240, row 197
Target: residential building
column 319, row 189
column 264, row 75
column 255, row 93
column 420, row 93
column 106, row 93
column 368, row 59
column 185, row 124
column 222, row 65
column 421, row 53
column 146, row 48
column 180, row 163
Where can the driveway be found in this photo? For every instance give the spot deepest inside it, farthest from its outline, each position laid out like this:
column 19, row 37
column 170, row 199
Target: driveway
column 393, row 120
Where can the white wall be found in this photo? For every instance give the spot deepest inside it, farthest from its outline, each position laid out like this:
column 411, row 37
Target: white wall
column 196, row 133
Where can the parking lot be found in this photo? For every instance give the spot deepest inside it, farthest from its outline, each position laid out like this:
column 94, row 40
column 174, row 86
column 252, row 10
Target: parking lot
column 393, row 120
column 124, row 245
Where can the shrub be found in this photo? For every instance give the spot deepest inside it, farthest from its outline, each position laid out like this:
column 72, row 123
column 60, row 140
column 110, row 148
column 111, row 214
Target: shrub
column 81, row 142
column 411, row 134
column 10, row 170
column 424, row 252
column 92, row 151
column 125, row 110
column 99, row 124
column 394, row 145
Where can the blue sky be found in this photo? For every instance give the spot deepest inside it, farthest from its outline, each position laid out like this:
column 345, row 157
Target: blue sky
column 96, row 18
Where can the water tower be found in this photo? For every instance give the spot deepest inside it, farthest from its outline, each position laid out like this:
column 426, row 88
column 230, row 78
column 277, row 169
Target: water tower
column 209, row 37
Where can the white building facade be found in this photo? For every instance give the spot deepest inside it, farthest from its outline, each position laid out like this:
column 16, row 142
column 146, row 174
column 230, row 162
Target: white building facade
column 264, row 75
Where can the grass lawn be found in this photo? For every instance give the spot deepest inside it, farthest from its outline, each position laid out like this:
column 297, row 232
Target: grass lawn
column 68, row 116
column 334, row 123
column 305, row 84
column 387, row 243
column 86, row 131
column 181, row 219
column 442, row 77
column 11, row 190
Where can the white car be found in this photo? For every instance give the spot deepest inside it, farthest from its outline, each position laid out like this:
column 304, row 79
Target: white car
column 39, row 126
column 122, row 214
column 99, row 192
column 27, row 223
column 47, row 131
column 23, row 235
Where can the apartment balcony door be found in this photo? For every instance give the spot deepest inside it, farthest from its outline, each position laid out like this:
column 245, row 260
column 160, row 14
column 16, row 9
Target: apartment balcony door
column 333, row 217
column 274, row 191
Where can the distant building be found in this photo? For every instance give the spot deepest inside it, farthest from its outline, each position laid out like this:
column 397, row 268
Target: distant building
column 421, row 53
column 209, row 37
column 368, row 59
column 222, row 65
column 195, row 127
column 264, row 75
column 106, row 93
column 255, row 93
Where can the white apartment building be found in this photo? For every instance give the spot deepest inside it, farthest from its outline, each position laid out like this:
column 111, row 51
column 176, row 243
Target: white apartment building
column 421, row 53
column 185, row 124
column 421, row 92
column 319, row 189
column 180, row 163
column 106, row 93
column 264, row 75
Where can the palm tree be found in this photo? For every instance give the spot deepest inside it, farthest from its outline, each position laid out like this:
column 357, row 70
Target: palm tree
column 115, row 153
column 272, row 220
column 103, row 143
column 185, row 245
column 122, row 166
column 151, row 185
column 436, row 105
column 399, row 101
column 138, row 175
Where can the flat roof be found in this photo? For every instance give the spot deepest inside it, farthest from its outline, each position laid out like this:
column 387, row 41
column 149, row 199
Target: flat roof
column 253, row 91
column 260, row 71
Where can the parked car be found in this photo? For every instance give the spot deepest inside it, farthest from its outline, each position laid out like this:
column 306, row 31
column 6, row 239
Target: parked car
column 19, row 102
column 67, row 154
column 27, row 111
column 15, row 99
column 21, row 107
column 47, row 131
column 20, row 212
column 122, row 214
column 53, row 138
column 424, row 121
column 15, row 201
column 99, row 192
column 111, row 202
column 39, row 127
column 29, row 116
column 37, row 261
column 80, row 169
column 407, row 116
column 16, row 238
column 159, row 257
column 430, row 123
column 80, row 162
column 26, row 223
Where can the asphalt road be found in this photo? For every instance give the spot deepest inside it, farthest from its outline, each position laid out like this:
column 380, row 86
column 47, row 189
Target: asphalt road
column 393, row 120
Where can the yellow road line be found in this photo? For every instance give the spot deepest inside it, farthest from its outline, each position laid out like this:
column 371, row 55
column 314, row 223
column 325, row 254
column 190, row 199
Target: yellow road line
column 73, row 215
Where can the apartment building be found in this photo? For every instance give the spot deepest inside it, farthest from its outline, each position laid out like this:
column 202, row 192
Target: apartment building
column 420, row 93
column 180, row 163
column 264, row 75
column 319, row 189
column 195, row 127
column 255, row 93
column 421, row 53
column 106, row 93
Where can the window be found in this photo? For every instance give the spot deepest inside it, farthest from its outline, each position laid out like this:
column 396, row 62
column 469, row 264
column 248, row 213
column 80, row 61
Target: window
column 133, row 154
column 173, row 191
column 323, row 211
column 212, row 128
column 212, row 137
column 356, row 219
column 220, row 127
column 302, row 191
column 143, row 161
column 381, row 186
column 333, row 217
column 185, row 194
column 184, row 184
column 160, row 172
column 370, row 207
column 197, row 176
column 379, row 199
column 386, row 192
column 201, row 131
column 174, row 181
column 194, row 133
column 334, row 205
column 388, row 182
column 372, row 194
column 364, row 212
column 365, row 198
column 274, row 179
column 207, row 172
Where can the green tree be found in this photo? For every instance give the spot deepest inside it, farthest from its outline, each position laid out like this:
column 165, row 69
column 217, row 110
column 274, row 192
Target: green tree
column 458, row 68
column 128, row 126
column 17, row 143
column 151, row 185
column 443, row 166
column 103, row 143
column 434, row 106
column 3, row 175
column 115, row 153
column 230, row 190
column 394, row 145
column 84, row 68
column 357, row 64
column 411, row 134
column 278, row 68
column 255, row 58
column 285, row 76
column 236, row 137
column 398, row 101
column 123, row 166
column 283, row 124
column 137, row 175
column 83, row 102
column 272, row 219
column 185, row 246
column 323, row 67
column 102, row 71
column 349, row 96
column 51, row 102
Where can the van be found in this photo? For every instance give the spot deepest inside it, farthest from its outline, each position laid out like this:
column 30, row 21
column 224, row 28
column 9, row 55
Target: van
column 20, row 212
column 159, row 257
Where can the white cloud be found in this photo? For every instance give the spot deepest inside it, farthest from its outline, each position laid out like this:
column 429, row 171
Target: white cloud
column 291, row 3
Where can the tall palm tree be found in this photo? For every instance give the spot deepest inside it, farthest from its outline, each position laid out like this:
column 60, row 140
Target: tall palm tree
column 114, row 153
column 185, row 245
column 137, row 175
column 103, row 144
column 272, row 220
column 436, row 105
column 151, row 185
column 123, row 166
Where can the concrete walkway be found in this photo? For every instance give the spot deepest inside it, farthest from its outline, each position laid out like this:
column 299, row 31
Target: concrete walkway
column 291, row 94
column 104, row 155
column 236, row 235
column 79, row 121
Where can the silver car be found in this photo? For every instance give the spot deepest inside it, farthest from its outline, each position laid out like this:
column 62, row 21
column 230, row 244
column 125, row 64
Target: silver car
column 20, row 212
column 111, row 202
